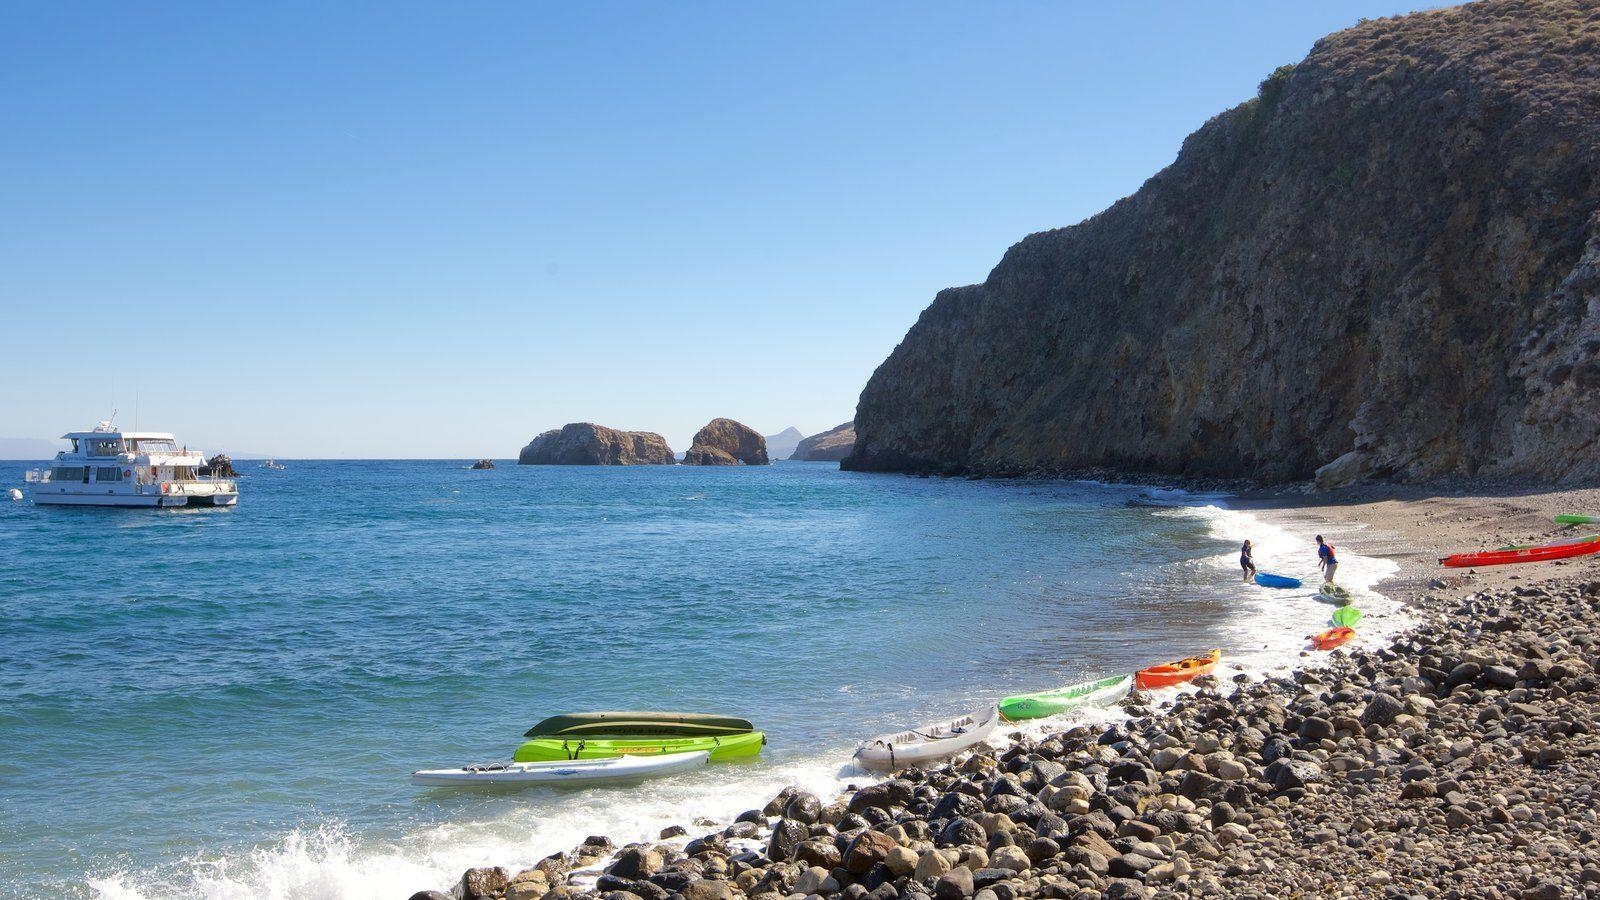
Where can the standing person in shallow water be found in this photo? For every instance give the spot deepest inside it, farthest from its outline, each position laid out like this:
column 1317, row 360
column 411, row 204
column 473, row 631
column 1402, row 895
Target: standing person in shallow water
column 1247, row 561
column 1326, row 560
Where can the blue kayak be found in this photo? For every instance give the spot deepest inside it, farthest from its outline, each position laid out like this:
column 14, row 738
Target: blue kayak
column 1267, row 579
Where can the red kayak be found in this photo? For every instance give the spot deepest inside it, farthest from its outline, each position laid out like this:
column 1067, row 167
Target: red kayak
column 1541, row 553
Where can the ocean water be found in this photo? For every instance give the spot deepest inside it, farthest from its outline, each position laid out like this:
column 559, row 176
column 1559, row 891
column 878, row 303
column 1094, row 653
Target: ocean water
column 227, row 702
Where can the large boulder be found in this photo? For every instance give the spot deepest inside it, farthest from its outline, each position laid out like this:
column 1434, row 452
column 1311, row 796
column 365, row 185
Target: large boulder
column 829, row 446
column 220, row 466
column 588, row 444
column 724, row 442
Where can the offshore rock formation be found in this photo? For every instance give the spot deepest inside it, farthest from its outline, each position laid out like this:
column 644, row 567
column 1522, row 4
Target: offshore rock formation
column 483, row 464
column 783, row 444
column 220, row 466
column 1390, row 258
column 724, row 442
column 829, row 446
column 587, row 444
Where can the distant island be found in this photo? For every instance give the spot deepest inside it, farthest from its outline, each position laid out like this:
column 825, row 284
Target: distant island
column 782, row 444
column 722, row 442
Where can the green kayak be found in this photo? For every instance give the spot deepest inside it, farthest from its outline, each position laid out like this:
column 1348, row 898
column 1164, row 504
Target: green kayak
column 1346, row 616
column 1104, row 692
column 1574, row 519
column 640, row 724
column 546, row 749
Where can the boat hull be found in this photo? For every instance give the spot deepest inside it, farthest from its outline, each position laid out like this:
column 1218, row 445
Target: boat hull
column 589, row 771
column 1267, row 579
column 930, row 744
column 631, row 724
column 133, row 501
column 1104, row 692
column 1333, row 637
column 1544, row 553
column 555, row 749
column 1175, row 673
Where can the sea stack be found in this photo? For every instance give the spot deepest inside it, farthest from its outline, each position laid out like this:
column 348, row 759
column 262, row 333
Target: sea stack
column 829, row 446
column 588, row 444
column 221, row 466
column 483, row 464
column 724, row 442
column 1387, row 260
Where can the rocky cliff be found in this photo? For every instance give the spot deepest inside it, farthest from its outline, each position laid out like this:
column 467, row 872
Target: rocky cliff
column 724, row 442
column 587, row 444
column 1390, row 258
column 829, row 446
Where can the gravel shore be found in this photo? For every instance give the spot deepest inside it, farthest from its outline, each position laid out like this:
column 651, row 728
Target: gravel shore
column 1461, row 760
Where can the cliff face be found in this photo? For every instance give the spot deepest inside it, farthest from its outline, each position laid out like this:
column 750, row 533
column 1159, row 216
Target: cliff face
column 587, row 444
column 724, row 442
column 829, row 446
column 1389, row 258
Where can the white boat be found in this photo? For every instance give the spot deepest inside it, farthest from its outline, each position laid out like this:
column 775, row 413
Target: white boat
column 112, row 467
column 272, row 464
column 931, row 743
column 581, row 771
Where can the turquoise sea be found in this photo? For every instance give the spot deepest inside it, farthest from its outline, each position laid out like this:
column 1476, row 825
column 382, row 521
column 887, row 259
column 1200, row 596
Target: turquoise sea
column 228, row 702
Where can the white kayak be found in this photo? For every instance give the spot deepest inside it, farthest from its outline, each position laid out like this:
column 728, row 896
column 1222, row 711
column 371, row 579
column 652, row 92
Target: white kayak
column 930, row 743
column 580, row 771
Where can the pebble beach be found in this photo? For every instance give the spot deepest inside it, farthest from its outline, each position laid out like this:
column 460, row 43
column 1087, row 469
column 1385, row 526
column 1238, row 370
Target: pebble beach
column 1455, row 759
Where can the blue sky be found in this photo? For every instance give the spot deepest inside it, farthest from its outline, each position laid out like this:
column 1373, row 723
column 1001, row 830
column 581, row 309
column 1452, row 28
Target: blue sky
column 424, row 230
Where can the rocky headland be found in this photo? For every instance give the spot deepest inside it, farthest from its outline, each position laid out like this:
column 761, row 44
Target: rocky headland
column 587, row 444
column 724, row 442
column 829, row 446
column 1387, row 261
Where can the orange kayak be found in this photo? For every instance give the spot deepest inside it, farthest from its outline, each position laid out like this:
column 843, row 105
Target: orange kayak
column 1332, row 638
column 1169, row 674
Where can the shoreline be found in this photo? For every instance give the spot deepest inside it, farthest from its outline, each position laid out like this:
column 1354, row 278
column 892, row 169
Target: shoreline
column 756, row 856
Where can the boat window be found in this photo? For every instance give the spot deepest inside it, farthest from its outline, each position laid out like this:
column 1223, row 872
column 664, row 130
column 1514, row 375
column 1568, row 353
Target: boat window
column 69, row 473
column 105, row 446
column 107, row 473
column 155, row 445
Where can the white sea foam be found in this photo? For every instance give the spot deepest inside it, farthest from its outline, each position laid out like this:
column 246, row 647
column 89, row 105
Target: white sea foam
column 330, row 862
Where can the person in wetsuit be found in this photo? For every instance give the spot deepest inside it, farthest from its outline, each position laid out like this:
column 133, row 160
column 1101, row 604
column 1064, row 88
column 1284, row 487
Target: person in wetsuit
column 1247, row 561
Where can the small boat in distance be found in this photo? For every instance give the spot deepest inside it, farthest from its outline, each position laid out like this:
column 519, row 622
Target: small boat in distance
column 273, row 464
column 111, row 467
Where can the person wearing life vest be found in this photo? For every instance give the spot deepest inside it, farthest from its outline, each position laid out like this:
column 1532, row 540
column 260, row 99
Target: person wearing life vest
column 1247, row 562
column 1326, row 560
